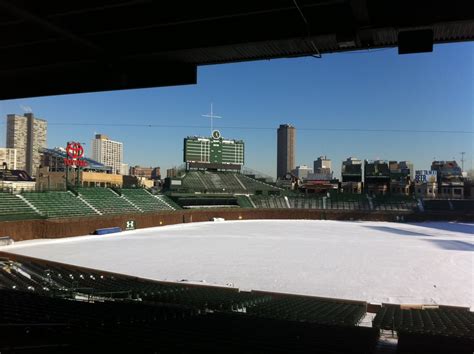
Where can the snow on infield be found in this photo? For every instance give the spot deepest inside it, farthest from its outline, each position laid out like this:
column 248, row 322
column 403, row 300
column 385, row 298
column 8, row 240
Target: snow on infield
column 373, row 261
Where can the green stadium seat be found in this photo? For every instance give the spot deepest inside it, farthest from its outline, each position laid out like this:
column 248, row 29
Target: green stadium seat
column 13, row 207
column 107, row 201
column 146, row 201
column 56, row 204
column 223, row 183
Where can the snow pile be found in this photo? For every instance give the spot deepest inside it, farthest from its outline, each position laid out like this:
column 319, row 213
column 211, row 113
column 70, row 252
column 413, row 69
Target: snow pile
column 429, row 263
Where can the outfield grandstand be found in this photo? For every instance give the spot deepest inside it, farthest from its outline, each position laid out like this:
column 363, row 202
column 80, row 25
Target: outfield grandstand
column 81, row 202
column 13, row 208
column 336, row 201
column 220, row 183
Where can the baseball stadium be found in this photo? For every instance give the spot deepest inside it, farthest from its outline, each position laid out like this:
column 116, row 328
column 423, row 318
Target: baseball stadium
column 222, row 258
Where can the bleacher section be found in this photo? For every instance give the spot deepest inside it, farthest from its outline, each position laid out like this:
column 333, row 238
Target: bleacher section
column 271, row 202
column 59, row 308
column 14, row 208
column 337, row 201
column 394, row 203
column 463, row 205
column 107, row 201
column 223, row 182
column 58, row 204
column 145, row 200
column 83, row 202
column 348, row 201
column 205, row 201
column 244, row 201
column 439, row 330
column 436, row 205
column 306, row 202
column 254, row 184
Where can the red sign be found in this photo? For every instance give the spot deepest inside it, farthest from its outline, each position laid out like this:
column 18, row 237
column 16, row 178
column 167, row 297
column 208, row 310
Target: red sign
column 74, row 152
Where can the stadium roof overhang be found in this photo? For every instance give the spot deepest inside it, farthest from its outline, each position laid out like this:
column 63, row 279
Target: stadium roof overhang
column 52, row 47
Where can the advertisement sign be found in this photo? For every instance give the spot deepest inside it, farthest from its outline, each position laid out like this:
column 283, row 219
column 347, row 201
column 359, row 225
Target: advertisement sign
column 425, row 176
column 130, row 225
column 74, row 152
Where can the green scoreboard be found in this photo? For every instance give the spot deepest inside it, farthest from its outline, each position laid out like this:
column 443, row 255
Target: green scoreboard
column 213, row 150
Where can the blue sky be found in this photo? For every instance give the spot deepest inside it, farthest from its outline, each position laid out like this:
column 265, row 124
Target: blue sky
column 377, row 90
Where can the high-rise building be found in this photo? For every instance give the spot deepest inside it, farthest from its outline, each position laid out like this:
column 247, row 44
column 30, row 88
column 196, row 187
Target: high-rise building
column 27, row 135
column 286, row 140
column 302, row 171
column 7, row 158
column 322, row 165
column 108, row 152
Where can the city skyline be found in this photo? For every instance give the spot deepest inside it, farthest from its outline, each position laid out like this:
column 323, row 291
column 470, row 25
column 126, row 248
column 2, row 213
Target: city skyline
column 333, row 168
column 422, row 92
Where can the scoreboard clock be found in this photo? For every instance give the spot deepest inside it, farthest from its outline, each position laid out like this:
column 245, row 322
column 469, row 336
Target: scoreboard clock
column 216, row 134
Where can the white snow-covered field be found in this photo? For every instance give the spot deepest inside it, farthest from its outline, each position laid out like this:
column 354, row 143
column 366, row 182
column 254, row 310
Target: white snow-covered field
column 372, row 261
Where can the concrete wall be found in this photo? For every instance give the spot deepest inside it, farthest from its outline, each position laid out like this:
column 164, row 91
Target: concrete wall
column 57, row 228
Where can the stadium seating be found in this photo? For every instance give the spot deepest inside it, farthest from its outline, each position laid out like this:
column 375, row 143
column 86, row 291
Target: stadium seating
column 107, row 201
column 394, row 203
column 13, row 208
column 440, row 330
column 269, row 202
column 59, row 204
column 254, row 184
column 466, row 205
column 204, row 201
column 244, row 201
column 51, row 307
column 436, row 205
column 337, row 201
column 309, row 309
column 223, row 182
column 145, row 200
column 347, row 201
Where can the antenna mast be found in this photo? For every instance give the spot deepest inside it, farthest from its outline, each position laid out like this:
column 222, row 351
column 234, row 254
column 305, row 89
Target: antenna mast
column 462, row 160
column 211, row 116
